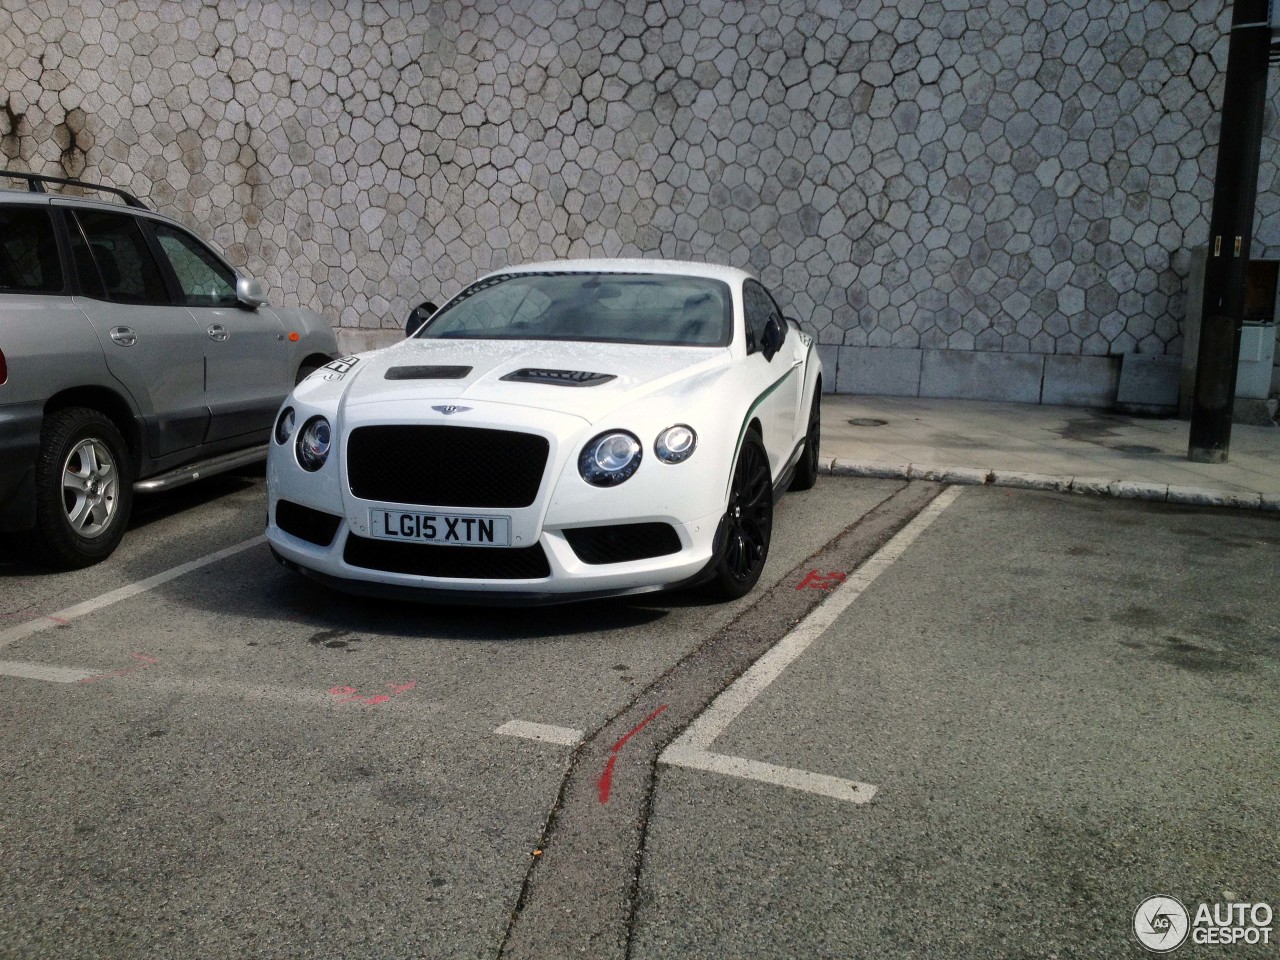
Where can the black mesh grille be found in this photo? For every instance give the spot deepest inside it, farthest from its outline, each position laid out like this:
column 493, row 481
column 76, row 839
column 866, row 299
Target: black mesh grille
column 431, row 560
column 446, row 466
column 310, row 525
column 563, row 378
column 623, row 542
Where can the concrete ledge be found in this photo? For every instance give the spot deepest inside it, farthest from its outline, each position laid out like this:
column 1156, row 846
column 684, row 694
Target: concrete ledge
column 1139, row 490
column 1030, row 481
column 879, row 371
column 829, row 354
column 1149, row 383
column 352, row 340
column 877, row 469
column 969, row 375
column 1088, row 486
column 1198, row 496
column 1071, row 381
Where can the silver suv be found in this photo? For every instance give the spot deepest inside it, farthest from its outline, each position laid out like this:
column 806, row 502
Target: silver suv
column 132, row 358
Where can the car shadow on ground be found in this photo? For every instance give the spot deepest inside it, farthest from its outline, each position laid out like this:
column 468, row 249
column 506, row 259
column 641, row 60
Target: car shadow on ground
column 17, row 557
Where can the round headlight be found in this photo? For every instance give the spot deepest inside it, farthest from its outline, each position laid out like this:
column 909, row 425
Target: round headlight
column 675, row 444
column 610, row 458
column 314, row 440
column 284, row 425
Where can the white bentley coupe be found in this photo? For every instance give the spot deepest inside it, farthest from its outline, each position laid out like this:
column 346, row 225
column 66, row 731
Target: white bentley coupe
column 555, row 432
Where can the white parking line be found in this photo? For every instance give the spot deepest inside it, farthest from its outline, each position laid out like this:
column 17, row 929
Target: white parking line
column 62, row 617
column 38, row 671
column 692, row 748
column 542, row 732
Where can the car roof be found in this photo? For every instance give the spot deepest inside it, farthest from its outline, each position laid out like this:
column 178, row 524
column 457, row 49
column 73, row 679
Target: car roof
column 675, row 268
column 9, row 195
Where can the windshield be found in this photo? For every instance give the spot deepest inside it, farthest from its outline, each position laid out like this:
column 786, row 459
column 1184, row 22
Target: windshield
column 597, row 307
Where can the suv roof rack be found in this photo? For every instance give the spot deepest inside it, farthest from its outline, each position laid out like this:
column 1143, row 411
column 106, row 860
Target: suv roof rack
column 36, row 182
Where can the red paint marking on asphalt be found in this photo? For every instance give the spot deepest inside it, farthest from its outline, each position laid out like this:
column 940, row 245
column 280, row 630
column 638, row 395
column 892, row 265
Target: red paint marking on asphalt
column 147, row 664
column 351, row 695
column 814, row 580
column 59, row 621
column 606, row 778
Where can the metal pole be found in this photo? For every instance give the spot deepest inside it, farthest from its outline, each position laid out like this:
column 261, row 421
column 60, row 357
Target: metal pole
column 1235, row 191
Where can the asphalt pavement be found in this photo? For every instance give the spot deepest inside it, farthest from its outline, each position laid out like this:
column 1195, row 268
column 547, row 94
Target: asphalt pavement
column 1064, row 449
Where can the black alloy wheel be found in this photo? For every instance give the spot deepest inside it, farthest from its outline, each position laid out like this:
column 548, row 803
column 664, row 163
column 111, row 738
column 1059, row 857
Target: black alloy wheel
column 806, row 474
column 747, row 524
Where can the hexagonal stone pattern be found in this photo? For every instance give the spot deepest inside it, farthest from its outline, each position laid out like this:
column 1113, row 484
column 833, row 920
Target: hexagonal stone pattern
column 1015, row 176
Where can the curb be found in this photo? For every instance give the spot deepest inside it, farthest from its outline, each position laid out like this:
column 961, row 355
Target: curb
column 1089, row 486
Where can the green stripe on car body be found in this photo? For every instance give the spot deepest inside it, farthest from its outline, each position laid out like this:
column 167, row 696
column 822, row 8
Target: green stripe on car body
column 742, row 431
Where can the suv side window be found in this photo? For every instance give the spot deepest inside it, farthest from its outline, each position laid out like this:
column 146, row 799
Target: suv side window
column 28, row 252
column 119, row 254
column 759, row 308
column 204, row 280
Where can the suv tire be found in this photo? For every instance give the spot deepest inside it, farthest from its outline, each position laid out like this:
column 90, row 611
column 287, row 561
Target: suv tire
column 84, row 488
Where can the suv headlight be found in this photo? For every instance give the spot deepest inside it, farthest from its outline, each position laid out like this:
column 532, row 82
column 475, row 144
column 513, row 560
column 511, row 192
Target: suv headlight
column 676, row 444
column 610, row 458
column 314, row 441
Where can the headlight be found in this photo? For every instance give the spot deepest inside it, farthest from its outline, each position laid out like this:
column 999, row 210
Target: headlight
column 675, row 444
column 610, row 458
column 313, row 443
column 284, row 425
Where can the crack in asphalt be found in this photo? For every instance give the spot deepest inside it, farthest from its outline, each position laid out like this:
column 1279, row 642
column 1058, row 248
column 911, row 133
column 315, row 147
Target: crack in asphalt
column 579, row 895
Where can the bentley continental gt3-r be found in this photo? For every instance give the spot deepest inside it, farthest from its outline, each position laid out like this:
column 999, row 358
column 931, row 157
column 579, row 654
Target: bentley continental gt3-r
column 555, row 432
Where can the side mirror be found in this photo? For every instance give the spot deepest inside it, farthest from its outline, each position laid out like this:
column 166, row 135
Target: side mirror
column 251, row 293
column 774, row 334
column 418, row 316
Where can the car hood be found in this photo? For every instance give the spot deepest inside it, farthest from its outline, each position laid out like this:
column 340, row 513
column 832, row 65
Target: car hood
column 587, row 380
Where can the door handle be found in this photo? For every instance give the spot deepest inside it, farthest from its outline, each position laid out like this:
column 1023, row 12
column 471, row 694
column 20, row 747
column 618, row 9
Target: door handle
column 217, row 332
column 124, row 336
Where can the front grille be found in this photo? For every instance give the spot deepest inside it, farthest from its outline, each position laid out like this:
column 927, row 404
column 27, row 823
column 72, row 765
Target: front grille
column 623, row 542
column 432, row 560
column 446, row 466
column 306, row 524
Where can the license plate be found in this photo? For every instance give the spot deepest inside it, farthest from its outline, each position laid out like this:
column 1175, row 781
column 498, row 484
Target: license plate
column 456, row 529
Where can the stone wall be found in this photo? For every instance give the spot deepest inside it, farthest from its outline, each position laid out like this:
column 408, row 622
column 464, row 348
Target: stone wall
column 991, row 197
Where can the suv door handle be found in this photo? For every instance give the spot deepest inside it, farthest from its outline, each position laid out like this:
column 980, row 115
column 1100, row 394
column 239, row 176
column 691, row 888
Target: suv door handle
column 124, row 336
column 217, row 332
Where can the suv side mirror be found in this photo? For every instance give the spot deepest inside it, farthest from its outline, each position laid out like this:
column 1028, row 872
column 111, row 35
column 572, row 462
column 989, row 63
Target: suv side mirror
column 418, row 316
column 774, row 334
column 251, row 293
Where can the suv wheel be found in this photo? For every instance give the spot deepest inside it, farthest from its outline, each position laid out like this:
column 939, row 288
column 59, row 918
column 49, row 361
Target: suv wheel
column 84, row 488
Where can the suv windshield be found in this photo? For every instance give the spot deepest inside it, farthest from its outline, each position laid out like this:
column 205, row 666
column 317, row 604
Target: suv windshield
column 597, row 307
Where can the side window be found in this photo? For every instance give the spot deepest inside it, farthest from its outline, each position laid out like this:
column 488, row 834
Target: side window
column 204, row 279
column 28, row 252
column 126, row 269
column 759, row 308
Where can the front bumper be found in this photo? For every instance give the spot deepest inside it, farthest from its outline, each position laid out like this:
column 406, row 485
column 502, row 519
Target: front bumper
column 569, row 579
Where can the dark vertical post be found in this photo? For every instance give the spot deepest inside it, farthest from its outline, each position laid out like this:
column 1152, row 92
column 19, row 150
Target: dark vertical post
column 1235, row 191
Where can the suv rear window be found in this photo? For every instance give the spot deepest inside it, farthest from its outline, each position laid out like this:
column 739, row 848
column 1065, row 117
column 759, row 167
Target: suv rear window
column 28, row 252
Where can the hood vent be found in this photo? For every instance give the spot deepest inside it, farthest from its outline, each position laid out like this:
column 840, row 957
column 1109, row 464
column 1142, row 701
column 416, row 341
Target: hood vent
column 563, row 378
column 426, row 373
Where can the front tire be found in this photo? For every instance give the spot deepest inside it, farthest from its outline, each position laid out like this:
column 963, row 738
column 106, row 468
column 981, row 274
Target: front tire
column 747, row 524
column 84, row 488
